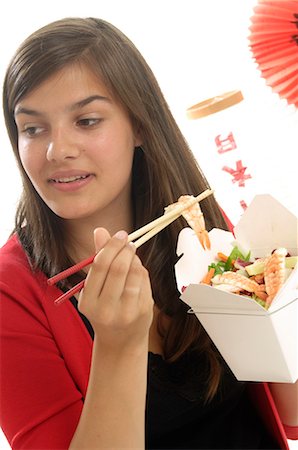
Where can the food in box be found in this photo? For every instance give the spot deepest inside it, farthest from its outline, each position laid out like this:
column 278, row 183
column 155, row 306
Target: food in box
column 258, row 344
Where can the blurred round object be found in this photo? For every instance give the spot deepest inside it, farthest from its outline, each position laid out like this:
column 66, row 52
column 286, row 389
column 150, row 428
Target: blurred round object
column 273, row 41
column 214, row 104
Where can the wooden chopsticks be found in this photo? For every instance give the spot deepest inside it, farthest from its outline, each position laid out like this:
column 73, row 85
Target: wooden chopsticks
column 139, row 237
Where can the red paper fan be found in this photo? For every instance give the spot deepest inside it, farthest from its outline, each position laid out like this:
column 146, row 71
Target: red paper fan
column 274, row 45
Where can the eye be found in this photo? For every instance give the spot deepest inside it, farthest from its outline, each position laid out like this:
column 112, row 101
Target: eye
column 88, row 122
column 32, row 131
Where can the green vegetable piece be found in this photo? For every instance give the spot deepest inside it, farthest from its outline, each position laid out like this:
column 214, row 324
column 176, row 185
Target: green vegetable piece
column 219, row 267
column 291, row 262
column 255, row 268
column 258, row 266
column 235, row 253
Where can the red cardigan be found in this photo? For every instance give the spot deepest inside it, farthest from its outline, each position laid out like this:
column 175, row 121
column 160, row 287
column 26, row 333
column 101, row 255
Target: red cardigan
column 45, row 360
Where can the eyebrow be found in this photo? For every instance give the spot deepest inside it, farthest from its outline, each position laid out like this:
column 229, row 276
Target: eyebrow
column 30, row 112
column 86, row 101
column 77, row 105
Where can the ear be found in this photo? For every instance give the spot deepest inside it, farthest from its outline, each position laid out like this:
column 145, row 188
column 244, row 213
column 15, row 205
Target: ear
column 138, row 140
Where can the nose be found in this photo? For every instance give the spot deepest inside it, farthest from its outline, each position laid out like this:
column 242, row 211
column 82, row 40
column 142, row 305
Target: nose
column 62, row 146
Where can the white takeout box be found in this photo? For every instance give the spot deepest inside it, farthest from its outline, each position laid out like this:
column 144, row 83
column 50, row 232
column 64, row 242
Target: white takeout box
column 257, row 344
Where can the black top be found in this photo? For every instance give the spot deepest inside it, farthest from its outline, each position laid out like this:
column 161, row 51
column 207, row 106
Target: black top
column 177, row 416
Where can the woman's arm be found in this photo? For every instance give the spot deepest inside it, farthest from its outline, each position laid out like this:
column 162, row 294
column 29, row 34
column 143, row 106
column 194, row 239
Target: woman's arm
column 117, row 301
column 285, row 396
column 113, row 415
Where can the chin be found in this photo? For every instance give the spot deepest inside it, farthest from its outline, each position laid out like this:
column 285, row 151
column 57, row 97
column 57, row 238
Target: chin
column 70, row 213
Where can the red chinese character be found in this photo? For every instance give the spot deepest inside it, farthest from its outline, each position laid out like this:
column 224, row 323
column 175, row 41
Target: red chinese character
column 225, row 144
column 238, row 174
column 243, row 205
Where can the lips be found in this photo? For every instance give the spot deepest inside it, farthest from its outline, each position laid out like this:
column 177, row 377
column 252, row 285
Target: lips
column 68, row 179
column 69, row 176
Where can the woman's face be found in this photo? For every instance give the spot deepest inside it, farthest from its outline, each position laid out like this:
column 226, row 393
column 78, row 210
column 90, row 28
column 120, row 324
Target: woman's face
column 76, row 144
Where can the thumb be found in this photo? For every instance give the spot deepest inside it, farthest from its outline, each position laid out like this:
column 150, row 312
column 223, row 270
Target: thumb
column 101, row 237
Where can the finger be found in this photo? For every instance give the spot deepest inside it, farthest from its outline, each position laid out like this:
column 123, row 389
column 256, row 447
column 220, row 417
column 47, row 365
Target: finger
column 117, row 276
column 138, row 285
column 101, row 237
column 136, row 299
column 102, row 262
column 146, row 297
column 134, row 280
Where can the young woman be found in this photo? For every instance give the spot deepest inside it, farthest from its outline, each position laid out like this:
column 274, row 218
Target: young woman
column 122, row 365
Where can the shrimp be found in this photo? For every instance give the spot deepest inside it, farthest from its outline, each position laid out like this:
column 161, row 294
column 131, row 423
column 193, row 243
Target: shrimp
column 275, row 273
column 274, row 277
column 240, row 282
column 195, row 219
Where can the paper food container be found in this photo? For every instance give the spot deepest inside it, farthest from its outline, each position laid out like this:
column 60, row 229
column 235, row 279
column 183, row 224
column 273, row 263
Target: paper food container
column 257, row 344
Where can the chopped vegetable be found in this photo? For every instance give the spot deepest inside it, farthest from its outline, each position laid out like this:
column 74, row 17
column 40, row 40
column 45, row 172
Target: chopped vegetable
column 209, row 275
column 236, row 253
column 227, row 262
column 236, row 273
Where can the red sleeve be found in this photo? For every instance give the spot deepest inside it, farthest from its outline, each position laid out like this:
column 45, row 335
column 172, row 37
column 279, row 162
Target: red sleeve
column 262, row 397
column 40, row 403
column 291, row 432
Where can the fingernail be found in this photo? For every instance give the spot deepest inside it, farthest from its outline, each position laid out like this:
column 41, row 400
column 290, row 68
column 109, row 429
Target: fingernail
column 121, row 234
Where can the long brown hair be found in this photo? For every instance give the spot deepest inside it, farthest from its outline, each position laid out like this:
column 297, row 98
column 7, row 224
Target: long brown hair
column 164, row 168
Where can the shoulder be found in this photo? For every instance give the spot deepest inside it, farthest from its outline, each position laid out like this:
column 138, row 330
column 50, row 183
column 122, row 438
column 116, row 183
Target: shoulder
column 16, row 274
column 12, row 251
column 26, row 299
column 13, row 258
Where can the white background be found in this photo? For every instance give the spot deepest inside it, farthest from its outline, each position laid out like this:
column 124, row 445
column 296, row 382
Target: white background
column 197, row 49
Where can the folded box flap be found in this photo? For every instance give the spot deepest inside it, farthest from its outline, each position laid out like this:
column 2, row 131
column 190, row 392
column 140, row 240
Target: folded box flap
column 207, row 299
column 267, row 224
column 194, row 261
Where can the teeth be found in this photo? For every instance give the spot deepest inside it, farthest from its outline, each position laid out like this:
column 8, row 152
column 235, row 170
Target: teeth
column 69, row 179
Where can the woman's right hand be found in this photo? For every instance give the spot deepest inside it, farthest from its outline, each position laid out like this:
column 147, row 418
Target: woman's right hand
column 117, row 298
column 118, row 302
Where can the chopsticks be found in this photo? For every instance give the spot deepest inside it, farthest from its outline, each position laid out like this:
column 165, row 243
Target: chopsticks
column 142, row 235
